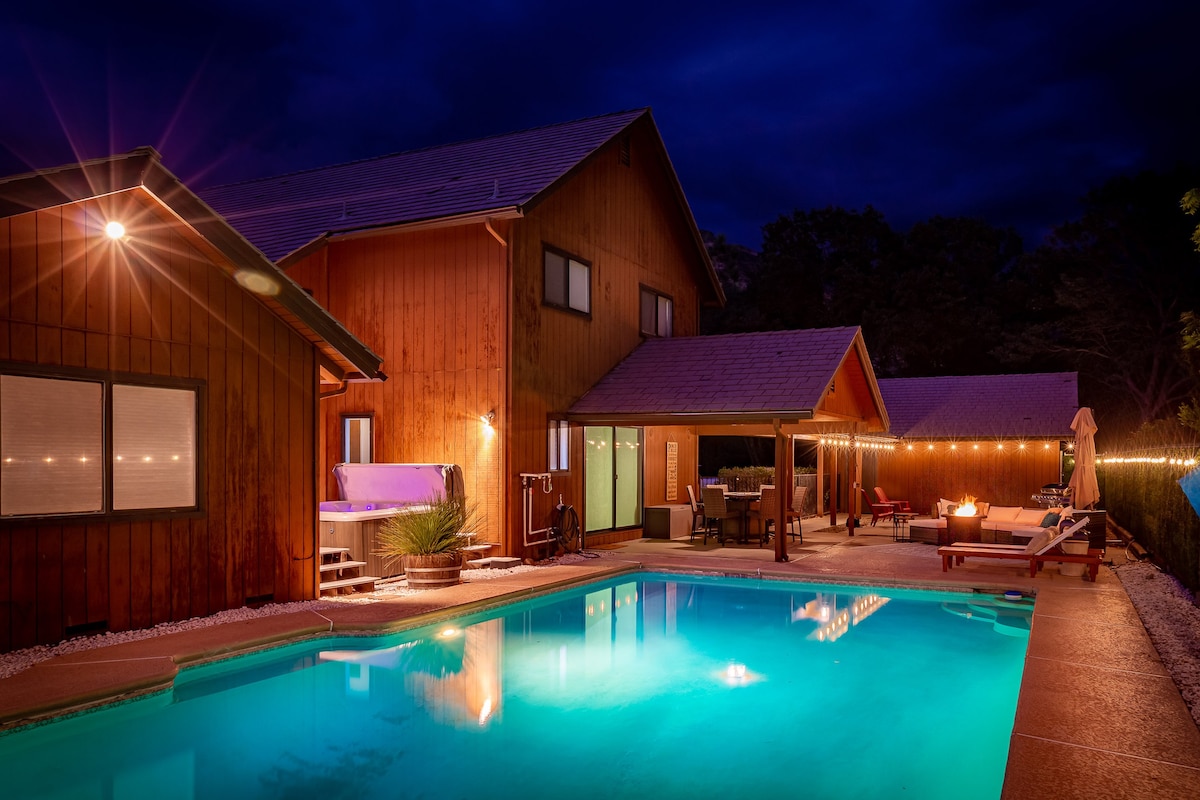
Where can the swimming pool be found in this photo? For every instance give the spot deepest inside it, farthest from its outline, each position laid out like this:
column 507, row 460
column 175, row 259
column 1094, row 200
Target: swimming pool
column 643, row 685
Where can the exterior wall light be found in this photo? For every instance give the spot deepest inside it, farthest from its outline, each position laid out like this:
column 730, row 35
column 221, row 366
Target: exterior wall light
column 114, row 230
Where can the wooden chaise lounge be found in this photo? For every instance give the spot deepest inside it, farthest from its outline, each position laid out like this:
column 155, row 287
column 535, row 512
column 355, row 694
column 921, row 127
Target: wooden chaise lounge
column 1042, row 548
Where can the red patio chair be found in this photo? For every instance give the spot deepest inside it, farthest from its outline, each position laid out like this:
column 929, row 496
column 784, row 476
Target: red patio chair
column 899, row 505
column 878, row 510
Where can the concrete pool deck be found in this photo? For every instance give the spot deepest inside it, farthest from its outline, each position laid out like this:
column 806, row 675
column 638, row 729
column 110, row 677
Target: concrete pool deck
column 1098, row 714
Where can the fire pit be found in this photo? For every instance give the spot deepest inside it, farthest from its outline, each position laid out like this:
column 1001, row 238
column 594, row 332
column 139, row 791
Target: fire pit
column 964, row 525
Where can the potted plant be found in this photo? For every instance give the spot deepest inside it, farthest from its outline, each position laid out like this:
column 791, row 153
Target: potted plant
column 429, row 539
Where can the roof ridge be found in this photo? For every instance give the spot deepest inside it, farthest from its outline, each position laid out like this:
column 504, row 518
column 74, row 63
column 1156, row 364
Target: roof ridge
column 988, row 375
column 427, row 148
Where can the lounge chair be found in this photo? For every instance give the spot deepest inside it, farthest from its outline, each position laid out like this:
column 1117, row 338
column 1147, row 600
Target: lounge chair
column 1044, row 547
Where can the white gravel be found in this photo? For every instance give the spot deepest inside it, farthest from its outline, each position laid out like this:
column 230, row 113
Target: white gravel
column 1172, row 618
column 19, row 660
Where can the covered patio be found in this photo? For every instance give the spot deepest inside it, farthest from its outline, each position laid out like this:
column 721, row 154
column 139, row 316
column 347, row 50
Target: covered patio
column 810, row 384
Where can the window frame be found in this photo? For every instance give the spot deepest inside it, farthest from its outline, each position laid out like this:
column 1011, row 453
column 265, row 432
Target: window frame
column 558, row 446
column 107, row 380
column 645, row 291
column 344, row 420
column 565, row 304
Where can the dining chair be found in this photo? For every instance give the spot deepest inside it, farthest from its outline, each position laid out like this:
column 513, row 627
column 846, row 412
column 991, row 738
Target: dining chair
column 796, row 514
column 766, row 513
column 698, row 520
column 715, row 511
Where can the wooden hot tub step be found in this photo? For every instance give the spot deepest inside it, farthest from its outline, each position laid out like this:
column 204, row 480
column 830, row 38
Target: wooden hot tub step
column 333, row 566
column 362, row 584
column 334, row 551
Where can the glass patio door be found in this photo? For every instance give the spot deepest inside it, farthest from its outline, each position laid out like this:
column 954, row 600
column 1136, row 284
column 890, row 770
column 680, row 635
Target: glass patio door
column 612, row 472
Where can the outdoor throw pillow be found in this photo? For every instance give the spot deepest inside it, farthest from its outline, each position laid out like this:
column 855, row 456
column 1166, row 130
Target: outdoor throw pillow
column 1051, row 519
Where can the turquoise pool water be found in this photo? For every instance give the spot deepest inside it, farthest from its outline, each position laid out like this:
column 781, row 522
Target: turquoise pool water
column 647, row 685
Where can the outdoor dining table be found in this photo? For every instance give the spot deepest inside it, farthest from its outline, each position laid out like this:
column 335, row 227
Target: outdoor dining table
column 742, row 501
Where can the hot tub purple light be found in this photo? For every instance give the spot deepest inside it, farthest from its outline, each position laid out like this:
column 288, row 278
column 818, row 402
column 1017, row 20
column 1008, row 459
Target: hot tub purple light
column 351, row 510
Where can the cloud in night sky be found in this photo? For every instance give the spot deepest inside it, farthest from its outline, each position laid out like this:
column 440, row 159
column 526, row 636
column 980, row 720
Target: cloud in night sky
column 1008, row 112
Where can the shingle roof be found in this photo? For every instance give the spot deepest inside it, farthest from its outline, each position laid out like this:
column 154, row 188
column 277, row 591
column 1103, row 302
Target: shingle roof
column 995, row 406
column 721, row 376
column 284, row 213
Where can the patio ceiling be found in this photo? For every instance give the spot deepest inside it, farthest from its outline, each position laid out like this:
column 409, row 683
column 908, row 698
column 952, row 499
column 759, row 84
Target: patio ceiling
column 811, row 382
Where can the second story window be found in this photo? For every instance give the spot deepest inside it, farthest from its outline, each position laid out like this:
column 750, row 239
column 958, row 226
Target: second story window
column 568, row 282
column 657, row 313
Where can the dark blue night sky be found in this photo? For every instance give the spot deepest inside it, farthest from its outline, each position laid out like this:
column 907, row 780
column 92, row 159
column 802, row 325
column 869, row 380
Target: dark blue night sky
column 1007, row 111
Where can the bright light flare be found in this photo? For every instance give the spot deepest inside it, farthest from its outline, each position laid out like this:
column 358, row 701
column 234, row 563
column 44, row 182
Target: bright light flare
column 114, row 230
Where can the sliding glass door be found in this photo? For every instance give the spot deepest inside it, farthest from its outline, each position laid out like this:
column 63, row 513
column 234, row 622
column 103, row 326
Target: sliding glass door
column 612, row 471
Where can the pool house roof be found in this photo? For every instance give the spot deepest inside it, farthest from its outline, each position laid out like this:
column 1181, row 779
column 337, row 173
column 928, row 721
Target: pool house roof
column 816, row 380
column 1039, row 405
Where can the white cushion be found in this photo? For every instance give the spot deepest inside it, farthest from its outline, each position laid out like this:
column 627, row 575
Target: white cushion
column 1031, row 516
column 1004, row 513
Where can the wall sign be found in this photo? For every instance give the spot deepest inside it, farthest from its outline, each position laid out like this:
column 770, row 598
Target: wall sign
column 672, row 471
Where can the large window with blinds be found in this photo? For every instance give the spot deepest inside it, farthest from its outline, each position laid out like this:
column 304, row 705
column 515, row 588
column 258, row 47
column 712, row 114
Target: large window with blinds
column 76, row 445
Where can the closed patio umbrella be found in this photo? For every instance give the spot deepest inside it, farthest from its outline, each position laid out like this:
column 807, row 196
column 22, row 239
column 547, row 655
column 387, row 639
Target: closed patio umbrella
column 1085, row 489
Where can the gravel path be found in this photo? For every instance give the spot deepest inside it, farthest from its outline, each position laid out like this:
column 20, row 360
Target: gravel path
column 1172, row 619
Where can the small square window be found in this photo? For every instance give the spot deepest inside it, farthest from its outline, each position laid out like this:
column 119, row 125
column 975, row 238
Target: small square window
column 657, row 313
column 568, row 282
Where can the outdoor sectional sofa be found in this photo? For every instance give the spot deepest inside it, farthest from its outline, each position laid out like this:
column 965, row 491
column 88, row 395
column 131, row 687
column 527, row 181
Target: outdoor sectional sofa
column 1002, row 525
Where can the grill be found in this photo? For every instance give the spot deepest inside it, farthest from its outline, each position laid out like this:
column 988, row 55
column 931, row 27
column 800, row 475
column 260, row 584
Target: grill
column 1051, row 495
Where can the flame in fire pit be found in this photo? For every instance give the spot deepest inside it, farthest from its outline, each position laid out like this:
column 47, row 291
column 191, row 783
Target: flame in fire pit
column 966, row 507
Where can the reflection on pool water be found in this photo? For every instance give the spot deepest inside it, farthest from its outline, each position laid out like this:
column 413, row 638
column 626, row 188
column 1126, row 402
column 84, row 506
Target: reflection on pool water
column 645, row 685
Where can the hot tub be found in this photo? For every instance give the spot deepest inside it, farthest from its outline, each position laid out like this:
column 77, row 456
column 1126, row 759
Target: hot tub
column 373, row 492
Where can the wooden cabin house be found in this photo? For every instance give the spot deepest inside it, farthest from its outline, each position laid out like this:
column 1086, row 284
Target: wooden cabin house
column 1000, row 438
column 158, row 407
column 499, row 279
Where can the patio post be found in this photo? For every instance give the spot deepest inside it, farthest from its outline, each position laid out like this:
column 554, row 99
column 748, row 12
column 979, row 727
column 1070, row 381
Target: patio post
column 785, row 457
column 833, row 476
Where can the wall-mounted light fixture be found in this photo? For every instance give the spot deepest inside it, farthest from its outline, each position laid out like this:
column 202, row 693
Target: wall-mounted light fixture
column 488, row 419
column 114, row 230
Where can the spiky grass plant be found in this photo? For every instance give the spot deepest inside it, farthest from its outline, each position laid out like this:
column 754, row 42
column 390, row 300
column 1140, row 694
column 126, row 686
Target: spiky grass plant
column 431, row 528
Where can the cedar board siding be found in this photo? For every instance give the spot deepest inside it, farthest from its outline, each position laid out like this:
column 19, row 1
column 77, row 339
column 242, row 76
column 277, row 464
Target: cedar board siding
column 654, row 471
column 70, row 298
column 1001, row 478
column 851, row 396
column 625, row 221
column 432, row 304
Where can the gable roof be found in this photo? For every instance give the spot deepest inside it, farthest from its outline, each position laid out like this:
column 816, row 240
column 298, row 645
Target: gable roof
column 732, row 378
column 491, row 178
column 141, row 170
column 994, row 406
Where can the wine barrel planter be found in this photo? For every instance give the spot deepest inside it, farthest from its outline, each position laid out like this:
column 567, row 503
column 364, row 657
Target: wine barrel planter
column 433, row 571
